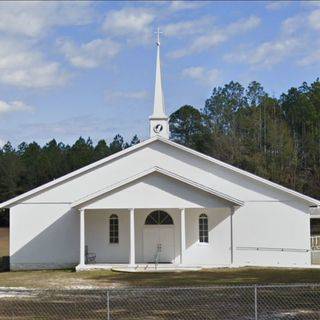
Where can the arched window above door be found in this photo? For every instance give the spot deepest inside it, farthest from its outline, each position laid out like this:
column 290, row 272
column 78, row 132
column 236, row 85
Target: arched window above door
column 158, row 217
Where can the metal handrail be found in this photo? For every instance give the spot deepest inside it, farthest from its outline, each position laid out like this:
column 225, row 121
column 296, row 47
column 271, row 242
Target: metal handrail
column 315, row 242
column 157, row 257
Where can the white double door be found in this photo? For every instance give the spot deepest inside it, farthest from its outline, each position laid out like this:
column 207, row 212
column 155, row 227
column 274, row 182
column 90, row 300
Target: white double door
column 158, row 244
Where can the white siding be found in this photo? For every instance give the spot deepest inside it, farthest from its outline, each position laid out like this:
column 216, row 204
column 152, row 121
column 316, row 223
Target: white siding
column 97, row 236
column 43, row 236
column 271, row 227
column 217, row 251
column 157, row 191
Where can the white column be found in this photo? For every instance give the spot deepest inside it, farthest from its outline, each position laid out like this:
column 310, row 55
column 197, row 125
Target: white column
column 132, row 259
column 231, row 236
column 82, row 238
column 182, row 234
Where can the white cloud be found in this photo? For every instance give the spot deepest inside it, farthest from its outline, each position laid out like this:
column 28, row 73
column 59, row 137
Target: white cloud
column 112, row 96
column 267, row 54
column 303, row 22
column 297, row 40
column 310, row 59
column 217, row 36
column 200, row 44
column 137, row 24
column 91, row 54
column 132, row 23
column 14, row 106
column 39, row 75
column 277, row 5
column 185, row 5
column 23, row 66
column 34, row 19
column 314, row 19
column 292, row 24
column 305, row 27
column 188, row 27
column 243, row 25
column 206, row 77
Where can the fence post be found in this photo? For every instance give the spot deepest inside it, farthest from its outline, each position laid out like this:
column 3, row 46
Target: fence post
column 108, row 305
column 255, row 302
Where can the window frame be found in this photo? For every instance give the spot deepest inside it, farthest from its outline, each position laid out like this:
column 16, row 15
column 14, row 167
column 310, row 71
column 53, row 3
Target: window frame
column 158, row 218
column 203, row 228
column 114, row 229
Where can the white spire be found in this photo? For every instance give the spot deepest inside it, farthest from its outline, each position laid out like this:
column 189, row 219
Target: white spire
column 158, row 106
column 159, row 121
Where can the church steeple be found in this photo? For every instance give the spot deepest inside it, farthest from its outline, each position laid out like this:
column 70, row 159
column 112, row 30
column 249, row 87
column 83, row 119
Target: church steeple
column 159, row 124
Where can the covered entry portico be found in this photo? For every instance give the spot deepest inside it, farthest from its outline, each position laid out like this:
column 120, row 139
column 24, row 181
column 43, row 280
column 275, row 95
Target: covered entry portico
column 141, row 240
column 163, row 226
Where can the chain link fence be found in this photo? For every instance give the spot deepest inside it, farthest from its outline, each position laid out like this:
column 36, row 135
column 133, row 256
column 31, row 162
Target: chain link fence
column 198, row 303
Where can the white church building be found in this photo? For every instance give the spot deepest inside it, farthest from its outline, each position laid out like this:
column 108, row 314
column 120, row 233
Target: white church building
column 159, row 205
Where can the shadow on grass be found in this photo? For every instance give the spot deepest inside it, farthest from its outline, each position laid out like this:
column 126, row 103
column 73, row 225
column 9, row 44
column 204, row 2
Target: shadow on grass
column 209, row 277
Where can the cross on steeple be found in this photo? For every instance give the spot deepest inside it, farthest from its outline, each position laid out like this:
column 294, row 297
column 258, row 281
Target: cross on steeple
column 158, row 32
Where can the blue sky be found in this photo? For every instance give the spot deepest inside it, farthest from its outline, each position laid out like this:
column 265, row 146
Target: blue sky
column 72, row 69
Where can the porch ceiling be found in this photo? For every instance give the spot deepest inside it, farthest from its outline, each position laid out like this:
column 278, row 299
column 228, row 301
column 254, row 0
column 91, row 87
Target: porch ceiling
column 112, row 189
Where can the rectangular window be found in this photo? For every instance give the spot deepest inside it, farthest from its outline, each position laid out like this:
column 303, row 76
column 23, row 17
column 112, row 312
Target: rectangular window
column 114, row 229
column 203, row 229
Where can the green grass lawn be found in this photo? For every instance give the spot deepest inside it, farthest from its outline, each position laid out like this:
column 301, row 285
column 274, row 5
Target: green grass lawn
column 4, row 242
column 90, row 279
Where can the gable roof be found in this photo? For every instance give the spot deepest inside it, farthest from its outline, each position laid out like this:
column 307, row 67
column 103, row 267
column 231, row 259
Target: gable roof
column 164, row 172
column 11, row 202
column 69, row 176
column 301, row 196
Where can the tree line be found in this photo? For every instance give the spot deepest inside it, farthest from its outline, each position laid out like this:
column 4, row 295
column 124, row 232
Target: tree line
column 30, row 165
column 276, row 138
